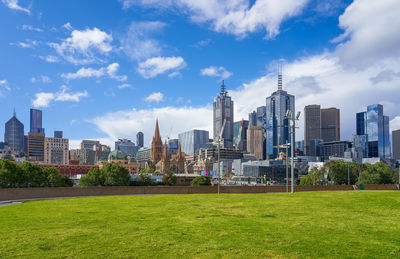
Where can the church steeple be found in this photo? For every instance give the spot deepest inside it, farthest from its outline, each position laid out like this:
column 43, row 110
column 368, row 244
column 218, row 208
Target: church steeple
column 179, row 156
column 165, row 153
column 156, row 145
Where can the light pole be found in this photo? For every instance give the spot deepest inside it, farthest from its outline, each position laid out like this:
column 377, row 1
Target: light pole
column 290, row 116
column 219, row 165
column 286, row 146
column 348, row 173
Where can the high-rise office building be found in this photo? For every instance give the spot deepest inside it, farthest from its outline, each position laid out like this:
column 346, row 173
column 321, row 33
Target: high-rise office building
column 191, row 141
column 330, row 124
column 396, row 144
column 223, row 108
column 375, row 126
column 253, row 118
column 36, row 121
column 259, row 118
column 58, row 134
column 277, row 125
column 14, row 134
column 90, row 144
column 56, row 151
column 139, row 139
column 321, row 125
column 126, row 146
column 254, row 141
column 240, row 134
column 312, row 126
column 36, row 147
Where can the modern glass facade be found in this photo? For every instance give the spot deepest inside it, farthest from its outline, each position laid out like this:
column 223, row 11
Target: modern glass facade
column 240, row 140
column 375, row 126
column 139, row 139
column 223, row 107
column 193, row 140
column 14, row 134
column 126, row 146
column 58, row 134
column 277, row 126
column 36, row 121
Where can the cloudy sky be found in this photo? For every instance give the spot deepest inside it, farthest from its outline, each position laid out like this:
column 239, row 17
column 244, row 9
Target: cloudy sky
column 107, row 69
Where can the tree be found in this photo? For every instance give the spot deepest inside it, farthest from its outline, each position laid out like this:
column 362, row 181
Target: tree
column 169, row 178
column 10, row 174
column 379, row 173
column 33, row 175
column 338, row 172
column 201, row 180
column 144, row 180
column 93, row 178
column 116, row 175
column 147, row 171
column 55, row 179
column 314, row 177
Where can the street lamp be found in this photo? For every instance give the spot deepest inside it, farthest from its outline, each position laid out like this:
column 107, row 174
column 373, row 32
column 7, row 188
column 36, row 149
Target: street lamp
column 286, row 146
column 290, row 116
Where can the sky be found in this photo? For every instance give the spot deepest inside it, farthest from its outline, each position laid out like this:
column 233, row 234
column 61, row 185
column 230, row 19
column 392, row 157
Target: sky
column 107, row 69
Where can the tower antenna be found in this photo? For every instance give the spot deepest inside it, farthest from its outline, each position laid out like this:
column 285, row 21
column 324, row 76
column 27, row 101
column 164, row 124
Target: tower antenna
column 279, row 76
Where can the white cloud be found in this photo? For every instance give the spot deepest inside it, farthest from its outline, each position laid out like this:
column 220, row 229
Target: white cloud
column 155, row 97
column 237, row 17
column 110, row 71
column 68, row 26
column 44, row 99
column 4, row 84
column 394, row 124
column 43, row 79
column 138, row 44
column 82, row 46
column 213, row 71
column 172, row 120
column 123, row 86
column 153, row 67
column 13, row 4
column 27, row 44
column 50, row 59
column 371, row 32
column 28, row 27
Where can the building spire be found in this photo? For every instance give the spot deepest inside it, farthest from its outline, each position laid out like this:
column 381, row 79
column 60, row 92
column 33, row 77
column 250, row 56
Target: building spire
column 14, row 113
column 165, row 153
column 223, row 87
column 157, row 132
column 279, row 76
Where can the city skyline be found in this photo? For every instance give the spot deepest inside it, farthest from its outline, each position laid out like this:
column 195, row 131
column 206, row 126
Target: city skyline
column 123, row 95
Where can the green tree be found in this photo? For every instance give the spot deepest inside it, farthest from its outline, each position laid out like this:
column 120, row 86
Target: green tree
column 338, row 172
column 147, row 171
column 314, row 177
column 10, row 174
column 169, row 178
column 55, row 179
column 33, row 175
column 144, row 180
column 201, row 180
column 379, row 173
column 116, row 175
column 93, row 178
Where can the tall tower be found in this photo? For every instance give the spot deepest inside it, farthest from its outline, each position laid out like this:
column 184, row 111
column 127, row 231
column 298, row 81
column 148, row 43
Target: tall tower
column 139, row 139
column 14, row 134
column 36, row 121
column 156, row 145
column 223, row 107
column 277, row 126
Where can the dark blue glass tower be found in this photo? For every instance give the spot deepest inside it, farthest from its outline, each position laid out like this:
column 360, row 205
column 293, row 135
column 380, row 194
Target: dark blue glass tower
column 36, row 121
column 375, row 126
column 14, row 134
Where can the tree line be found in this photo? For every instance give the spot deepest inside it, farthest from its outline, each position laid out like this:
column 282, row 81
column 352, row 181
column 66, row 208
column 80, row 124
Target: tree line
column 26, row 175
column 340, row 172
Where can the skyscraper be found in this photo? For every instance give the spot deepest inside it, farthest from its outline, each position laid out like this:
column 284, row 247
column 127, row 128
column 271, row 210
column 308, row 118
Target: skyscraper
column 58, row 134
column 312, row 127
column 320, row 125
column 36, row 147
column 254, row 141
column 223, row 107
column 330, row 124
column 375, row 126
column 240, row 134
column 36, row 121
column 126, row 146
column 14, row 134
column 277, row 126
column 396, row 144
column 139, row 139
column 193, row 140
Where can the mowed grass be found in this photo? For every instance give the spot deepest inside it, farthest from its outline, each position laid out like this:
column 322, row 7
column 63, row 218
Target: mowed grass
column 354, row 224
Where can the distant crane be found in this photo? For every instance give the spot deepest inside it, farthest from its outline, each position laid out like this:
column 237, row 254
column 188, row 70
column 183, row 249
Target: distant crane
column 237, row 141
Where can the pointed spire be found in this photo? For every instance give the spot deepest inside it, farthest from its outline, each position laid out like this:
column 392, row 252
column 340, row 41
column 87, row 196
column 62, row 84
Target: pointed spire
column 165, row 153
column 279, row 76
column 14, row 113
column 156, row 132
column 179, row 155
column 223, row 91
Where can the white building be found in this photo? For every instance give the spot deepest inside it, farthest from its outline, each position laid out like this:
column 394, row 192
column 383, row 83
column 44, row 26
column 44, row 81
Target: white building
column 56, row 151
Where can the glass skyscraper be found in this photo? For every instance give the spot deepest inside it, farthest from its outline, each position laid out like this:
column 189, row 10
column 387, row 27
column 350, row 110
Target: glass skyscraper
column 223, row 107
column 375, row 126
column 14, row 134
column 240, row 140
column 139, row 139
column 277, row 126
column 193, row 140
column 126, row 146
column 36, row 121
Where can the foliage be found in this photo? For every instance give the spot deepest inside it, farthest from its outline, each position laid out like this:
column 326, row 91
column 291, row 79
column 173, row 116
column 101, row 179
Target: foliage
column 27, row 174
column 169, row 178
column 112, row 174
column 379, row 173
column 147, row 171
column 201, row 180
column 314, row 177
column 144, row 180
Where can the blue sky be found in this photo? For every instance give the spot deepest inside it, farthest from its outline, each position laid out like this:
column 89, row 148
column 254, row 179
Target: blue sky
column 106, row 69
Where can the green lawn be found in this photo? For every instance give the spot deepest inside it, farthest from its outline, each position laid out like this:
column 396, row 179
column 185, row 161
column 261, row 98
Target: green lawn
column 304, row 225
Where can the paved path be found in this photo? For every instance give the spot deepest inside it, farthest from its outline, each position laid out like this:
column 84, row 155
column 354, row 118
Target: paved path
column 3, row 204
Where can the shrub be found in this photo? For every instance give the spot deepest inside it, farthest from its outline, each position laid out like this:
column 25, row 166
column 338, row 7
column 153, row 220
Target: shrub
column 201, row 180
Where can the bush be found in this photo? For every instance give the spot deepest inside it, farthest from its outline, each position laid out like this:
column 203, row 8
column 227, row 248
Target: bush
column 144, row 180
column 169, row 178
column 111, row 174
column 201, row 180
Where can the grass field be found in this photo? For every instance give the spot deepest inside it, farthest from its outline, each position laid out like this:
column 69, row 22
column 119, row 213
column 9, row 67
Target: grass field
column 309, row 224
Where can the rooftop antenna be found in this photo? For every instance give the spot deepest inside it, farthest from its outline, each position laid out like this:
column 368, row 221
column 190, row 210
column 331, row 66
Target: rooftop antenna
column 280, row 76
column 223, row 87
column 14, row 113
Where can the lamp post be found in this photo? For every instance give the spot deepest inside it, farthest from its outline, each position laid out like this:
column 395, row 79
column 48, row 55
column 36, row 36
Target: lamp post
column 290, row 116
column 286, row 146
